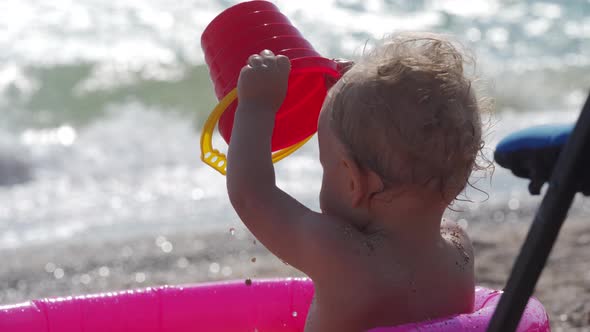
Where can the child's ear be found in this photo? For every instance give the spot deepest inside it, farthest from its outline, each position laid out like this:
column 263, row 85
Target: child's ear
column 361, row 183
column 356, row 181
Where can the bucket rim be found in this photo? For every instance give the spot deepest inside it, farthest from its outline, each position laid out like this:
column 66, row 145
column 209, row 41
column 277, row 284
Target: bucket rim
column 265, row 6
column 211, row 56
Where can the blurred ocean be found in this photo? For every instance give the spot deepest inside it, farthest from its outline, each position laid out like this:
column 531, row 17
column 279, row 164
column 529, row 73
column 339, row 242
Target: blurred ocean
column 102, row 102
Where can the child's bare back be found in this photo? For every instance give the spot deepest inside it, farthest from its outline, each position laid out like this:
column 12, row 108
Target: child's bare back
column 398, row 138
column 415, row 286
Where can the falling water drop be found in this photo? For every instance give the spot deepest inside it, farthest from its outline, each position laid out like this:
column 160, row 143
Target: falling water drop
column 58, row 273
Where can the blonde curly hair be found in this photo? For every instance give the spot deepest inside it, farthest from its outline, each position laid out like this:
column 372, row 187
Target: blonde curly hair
column 407, row 111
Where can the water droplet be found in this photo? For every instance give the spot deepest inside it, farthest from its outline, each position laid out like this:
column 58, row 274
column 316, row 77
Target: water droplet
column 66, row 135
column 232, row 231
column 58, row 273
column 197, row 194
column 167, row 247
column 104, row 271
column 140, row 277
column 226, row 271
column 182, row 262
column 513, row 204
column 85, row 279
column 294, row 313
column 50, row 267
column 214, row 268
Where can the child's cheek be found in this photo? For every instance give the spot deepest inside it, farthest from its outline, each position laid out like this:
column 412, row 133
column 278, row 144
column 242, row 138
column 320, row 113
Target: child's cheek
column 326, row 193
column 329, row 194
column 323, row 195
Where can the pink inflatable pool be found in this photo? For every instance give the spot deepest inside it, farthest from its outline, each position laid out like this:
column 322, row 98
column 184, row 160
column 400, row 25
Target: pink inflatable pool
column 263, row 305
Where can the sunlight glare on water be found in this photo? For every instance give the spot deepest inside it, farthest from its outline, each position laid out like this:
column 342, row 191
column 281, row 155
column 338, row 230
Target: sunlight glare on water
column 103, row 101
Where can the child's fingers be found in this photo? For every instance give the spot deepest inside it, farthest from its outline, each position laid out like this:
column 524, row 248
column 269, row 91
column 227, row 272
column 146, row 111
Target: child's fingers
column 267, row 53
column 255, row 60
column 268, row 58
column 283, row 63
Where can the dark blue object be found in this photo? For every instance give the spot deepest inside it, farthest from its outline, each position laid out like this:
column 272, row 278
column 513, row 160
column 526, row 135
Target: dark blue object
column 532, row 153
column 538, row 137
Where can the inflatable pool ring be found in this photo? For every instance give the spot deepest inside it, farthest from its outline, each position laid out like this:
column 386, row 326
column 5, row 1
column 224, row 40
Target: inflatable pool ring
column 533, row 152
column 261, row 305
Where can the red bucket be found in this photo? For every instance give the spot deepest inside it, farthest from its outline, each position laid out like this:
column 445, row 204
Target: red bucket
column 248, row 28
column 251, row 39
column 213, row 41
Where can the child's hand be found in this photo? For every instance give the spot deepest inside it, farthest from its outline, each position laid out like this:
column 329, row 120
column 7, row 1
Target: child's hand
column 263, row 82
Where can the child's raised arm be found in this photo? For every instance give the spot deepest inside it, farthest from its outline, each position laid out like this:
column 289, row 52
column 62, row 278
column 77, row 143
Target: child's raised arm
column 301, row 237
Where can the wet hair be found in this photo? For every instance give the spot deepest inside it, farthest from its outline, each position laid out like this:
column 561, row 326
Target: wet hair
column 407, row 111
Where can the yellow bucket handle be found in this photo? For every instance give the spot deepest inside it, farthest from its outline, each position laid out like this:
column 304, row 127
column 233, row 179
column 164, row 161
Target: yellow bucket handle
column 218, row 160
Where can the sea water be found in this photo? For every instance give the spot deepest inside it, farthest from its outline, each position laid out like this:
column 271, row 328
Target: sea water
column 102, row 102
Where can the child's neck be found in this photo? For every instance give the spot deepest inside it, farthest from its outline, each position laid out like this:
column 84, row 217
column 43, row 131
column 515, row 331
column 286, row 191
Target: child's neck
column 407, row 218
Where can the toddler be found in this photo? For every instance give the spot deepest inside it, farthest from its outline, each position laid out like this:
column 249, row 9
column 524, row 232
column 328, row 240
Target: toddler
column 398, row 137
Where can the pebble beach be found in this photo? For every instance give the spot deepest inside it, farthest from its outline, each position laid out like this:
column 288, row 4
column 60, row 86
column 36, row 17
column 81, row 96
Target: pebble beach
column 175, row 259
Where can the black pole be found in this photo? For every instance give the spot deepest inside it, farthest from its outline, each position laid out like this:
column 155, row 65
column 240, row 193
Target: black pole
column 546, row 225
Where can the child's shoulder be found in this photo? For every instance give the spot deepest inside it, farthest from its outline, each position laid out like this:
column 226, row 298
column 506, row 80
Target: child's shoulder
column 457, row 237
column 451, row 229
